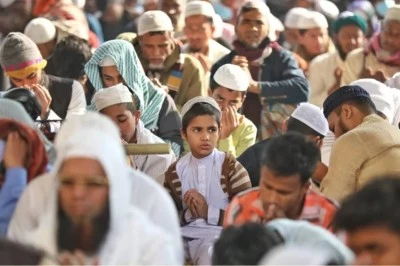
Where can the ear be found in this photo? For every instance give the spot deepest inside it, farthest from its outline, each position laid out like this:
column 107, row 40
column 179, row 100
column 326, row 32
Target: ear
column 348, row 111
column 284, row 125
column 209, row 92
column 137, row 115
column 319, row 141
column 183, row 135
column 213, row 29
column 306, row 187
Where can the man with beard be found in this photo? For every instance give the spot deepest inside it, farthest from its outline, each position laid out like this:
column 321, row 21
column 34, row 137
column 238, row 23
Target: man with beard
column 162, row 60
column 366, row 146
column 350, row 30
column 88, row 217
column 284, row 189
column 277, row 84
column 380, row 60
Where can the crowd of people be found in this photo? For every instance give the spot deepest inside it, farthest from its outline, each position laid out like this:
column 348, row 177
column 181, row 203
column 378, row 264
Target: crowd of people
column 195, row 132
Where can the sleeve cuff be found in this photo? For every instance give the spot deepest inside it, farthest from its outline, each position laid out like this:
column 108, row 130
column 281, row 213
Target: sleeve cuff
column 213, row 215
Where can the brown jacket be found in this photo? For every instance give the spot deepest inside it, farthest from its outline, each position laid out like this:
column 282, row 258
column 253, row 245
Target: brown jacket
column 183, row 74
column 234, row 179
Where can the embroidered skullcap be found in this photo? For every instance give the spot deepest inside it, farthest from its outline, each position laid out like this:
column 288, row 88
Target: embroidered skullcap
column 40, row 30
column 199, row 8
column 393, row 13
column 312, row 20
column 200, row 99
column 113, row 95
column 343, row 94
column 107, row 61
column 232, row 77
column 312, row 116
column 293, row 16
column 152, row 21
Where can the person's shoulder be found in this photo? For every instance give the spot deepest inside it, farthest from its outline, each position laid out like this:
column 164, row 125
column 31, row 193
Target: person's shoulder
column 248, row 195
column 323, row 58
column 56, row 79
column 249, row 124
column 219, row 47
column 317, row 198
column 355, row 54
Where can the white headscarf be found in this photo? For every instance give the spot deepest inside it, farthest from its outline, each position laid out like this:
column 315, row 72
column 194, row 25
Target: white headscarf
column 95, row 136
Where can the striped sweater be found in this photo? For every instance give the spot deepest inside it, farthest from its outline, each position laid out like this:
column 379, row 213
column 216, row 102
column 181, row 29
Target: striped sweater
column 234, row 179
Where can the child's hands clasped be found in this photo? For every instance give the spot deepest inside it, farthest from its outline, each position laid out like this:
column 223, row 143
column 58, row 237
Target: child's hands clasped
column 197, row 203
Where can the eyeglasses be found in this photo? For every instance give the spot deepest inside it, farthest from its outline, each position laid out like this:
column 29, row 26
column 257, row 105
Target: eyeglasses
column 88, row 182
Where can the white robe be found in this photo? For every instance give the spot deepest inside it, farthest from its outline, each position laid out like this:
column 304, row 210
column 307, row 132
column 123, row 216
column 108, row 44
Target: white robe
column 154, row 165
column 133, row 237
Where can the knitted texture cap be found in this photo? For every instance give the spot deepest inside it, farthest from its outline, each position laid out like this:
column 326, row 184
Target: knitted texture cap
column 345, row 93
column 18, row 52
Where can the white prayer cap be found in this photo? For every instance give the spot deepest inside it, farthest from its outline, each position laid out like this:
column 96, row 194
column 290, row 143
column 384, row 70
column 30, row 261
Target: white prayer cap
column 327, row 8
column 40, row 30
column 393, row 13
column 274, row 25
column 154, row 20
column 293, row 16
column 381, row 96
column 312, row 116
column 199, row 99
column 312, row 20
column 256, row 4
column 199, row 8
column 111, row 96
column 107, row 61
column 394, row 82
column 232, row 77
column 291, row 254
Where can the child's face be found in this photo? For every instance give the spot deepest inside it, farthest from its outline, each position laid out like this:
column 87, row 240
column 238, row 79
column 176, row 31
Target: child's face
column 314, row 41
column 225, row 97
column 202, row 135
column 124, row 119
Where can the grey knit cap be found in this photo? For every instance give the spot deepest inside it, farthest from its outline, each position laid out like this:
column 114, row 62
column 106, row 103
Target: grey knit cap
column 18, row 52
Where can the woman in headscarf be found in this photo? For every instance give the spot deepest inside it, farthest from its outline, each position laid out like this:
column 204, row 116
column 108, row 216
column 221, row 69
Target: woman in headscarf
column 22, row 158
column 116, row 62
column 10, row 109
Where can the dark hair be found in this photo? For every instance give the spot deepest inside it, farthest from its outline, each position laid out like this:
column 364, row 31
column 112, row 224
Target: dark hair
column 244, row 245
column 70, row 56
column 131, row 107
column 297, row 126
column 364, row 104
column 291, row 154
column 152, row 33
column 214, row 85
column 302, row 32
column 376, row 204
column 199, row 109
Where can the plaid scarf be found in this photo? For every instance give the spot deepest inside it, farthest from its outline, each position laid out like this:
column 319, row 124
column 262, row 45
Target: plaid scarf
column 382, row 55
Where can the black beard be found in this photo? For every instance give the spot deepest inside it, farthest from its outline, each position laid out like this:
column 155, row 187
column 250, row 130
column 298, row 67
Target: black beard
column 71, row 238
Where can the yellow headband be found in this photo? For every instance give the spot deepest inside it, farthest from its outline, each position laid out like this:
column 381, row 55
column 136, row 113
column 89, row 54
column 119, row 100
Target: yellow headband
column 24, row 72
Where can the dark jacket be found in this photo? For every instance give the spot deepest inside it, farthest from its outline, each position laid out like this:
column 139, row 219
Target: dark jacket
column 251, row 160
column 281, row 78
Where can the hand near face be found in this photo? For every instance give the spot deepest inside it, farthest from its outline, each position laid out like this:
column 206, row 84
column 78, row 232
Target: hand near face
column 378, row 75
column 197, row 203
column 16, row 151
column 75, row 258
column 338, row 77
column 205, row 63
column 273, row 212
column 43, row 97
column 230, row 121
column 157, row 83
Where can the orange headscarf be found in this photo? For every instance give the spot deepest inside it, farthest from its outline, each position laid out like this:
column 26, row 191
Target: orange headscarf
column 42, row 7
column 37, row 161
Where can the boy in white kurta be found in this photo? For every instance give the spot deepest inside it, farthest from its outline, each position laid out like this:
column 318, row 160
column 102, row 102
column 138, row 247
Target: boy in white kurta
column 116, row 102
column 204, row 181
